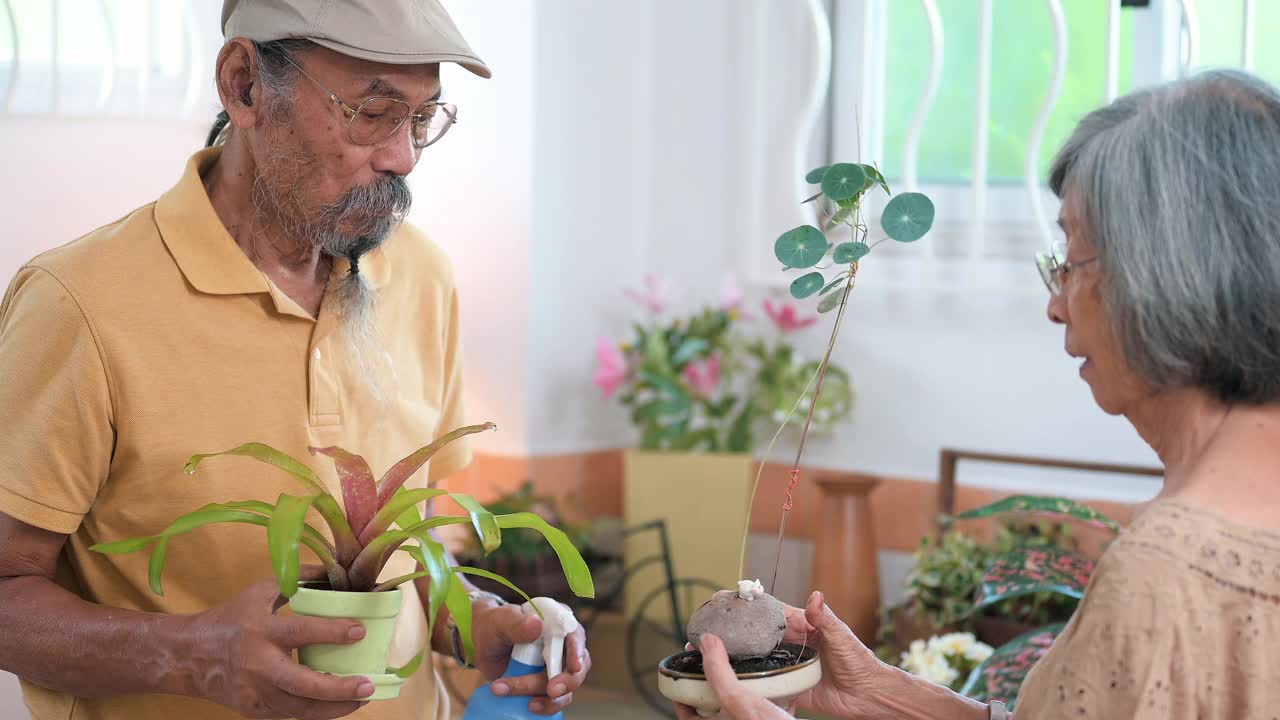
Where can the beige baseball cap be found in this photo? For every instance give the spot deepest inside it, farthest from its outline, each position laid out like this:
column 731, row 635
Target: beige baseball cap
column 400, row 32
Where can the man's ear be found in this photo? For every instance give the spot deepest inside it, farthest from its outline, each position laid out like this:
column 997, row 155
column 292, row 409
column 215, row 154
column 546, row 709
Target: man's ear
column 236, row 77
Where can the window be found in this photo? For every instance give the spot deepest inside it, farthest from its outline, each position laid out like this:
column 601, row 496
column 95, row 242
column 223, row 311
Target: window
column 136, row 58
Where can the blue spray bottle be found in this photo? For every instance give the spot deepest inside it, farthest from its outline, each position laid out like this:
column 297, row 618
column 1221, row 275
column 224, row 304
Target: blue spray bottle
column 546, row 654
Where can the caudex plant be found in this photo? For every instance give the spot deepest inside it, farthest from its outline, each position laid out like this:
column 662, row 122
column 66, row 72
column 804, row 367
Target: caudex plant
column 374, row 520
column 749, row 621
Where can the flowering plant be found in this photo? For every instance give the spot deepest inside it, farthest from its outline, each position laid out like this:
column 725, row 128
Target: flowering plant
column 945, row 659
column 696, row 382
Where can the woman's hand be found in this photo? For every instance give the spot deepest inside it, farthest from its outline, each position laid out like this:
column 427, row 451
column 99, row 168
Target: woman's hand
column 851, row 673
column 736, row 701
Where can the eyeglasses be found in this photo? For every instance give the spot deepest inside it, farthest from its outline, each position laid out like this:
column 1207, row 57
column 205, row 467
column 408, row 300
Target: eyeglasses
column 1054, row 266
column 378, row 118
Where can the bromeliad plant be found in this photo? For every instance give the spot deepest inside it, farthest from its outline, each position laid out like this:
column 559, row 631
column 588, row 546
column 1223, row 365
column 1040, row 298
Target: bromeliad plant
column 375, row 520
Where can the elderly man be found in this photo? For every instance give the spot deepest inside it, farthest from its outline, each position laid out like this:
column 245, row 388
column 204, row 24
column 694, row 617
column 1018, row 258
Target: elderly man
column 272, row 295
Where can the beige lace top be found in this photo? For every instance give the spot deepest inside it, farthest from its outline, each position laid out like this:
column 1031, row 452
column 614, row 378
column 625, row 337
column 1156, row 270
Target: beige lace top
column 1181, row 620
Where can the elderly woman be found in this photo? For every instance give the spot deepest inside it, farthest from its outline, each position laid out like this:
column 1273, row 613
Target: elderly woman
column 1168, row 290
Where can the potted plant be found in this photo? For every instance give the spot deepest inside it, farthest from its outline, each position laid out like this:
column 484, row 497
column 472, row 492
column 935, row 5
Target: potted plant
column 1029, row 571
column 906, row 218
column 698, row 386
column 374, row 520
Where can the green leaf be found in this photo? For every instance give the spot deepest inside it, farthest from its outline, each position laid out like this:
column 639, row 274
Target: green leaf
column 1001, row 675
column 843, row 180
column 482, row 520
column 478, row 572
column 837, row 282
column 907, row 217
column 806, row 285
column 343, row 536
column 846, row 253
column 1057, row 507
column 688, row 350
column 269, row 455
column 155, row 568
column 459, row 603
column 431, row 556
column 1030, row 570
column 815, row 175
column 801, row 247
column 284, row 532
column 125, row 546
column 830, row 302
column 873, row 175
column 739, row 440
column 689, row 441
column 575, row 568
column 402, row 501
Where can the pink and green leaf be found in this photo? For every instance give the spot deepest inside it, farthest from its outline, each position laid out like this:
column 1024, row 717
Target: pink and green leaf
column 575, row 568
column 359, row 490
column 400, row 473
column 1057, row 507
column 1001, row 675
column 403, row 501
column 368, row 565
column 1026, row 571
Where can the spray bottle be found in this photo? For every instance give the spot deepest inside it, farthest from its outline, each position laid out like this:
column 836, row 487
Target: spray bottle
column 546, row 654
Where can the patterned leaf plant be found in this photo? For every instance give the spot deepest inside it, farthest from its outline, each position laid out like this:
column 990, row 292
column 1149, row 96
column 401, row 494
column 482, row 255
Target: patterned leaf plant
column 376, row 519
column 1028, row 571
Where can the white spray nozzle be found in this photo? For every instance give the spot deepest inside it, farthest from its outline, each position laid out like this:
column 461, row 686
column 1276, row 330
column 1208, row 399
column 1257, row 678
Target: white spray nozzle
column 557, row 623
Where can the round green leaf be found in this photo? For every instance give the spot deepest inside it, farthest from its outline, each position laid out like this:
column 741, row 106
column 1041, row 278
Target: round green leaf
column 802, row 247
column 806, row 285
column 843, row 181
column 907, row 217
column 849, row 252
column 815, row 175
column 830, row 302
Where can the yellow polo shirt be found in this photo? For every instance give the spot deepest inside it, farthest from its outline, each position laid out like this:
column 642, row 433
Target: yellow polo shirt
column 155, row 337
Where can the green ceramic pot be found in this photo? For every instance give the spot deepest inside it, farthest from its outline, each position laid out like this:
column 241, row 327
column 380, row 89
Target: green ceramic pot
column 377, row 611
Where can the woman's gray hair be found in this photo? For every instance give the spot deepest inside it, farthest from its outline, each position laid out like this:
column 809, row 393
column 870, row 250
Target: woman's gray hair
column 1179, row 188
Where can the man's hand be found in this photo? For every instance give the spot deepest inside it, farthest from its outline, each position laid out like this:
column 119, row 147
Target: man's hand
column 736, row 701
column 496, row 630
column 242, row 657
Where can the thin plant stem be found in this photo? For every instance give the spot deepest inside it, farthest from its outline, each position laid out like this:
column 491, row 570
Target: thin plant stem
column 746, row 530
column 804, row 432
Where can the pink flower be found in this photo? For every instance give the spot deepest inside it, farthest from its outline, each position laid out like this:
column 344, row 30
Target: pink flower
column 612, row 369
column 703, row 376
column 786, row 316
column 731, row 297
column 654, row 297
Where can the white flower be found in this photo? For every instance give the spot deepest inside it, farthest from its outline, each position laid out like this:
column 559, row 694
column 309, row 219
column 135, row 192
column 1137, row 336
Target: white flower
column 779, row 416
column 805, row 402
column 978, row 652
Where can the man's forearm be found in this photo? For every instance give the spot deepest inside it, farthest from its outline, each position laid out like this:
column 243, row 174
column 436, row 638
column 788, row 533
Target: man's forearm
column 59, row 641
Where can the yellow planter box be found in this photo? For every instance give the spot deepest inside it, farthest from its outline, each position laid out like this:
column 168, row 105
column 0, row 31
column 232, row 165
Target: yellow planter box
column 703, row 498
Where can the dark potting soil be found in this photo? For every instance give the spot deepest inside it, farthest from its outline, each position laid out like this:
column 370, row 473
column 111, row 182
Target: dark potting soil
column 691, row 662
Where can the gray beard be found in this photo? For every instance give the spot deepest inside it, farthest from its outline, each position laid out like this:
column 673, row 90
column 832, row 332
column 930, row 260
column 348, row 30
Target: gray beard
column 355, row 224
